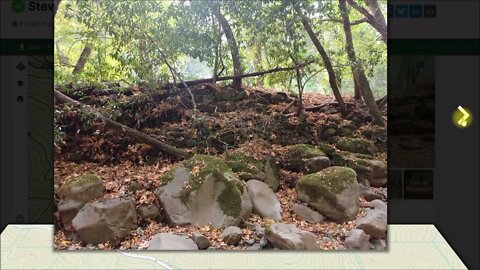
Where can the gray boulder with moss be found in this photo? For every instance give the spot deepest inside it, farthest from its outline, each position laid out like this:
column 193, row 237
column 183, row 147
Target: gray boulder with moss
column 203, row 190
column 75, row 193
column 247, row 168
column 334, row 192
column 369, row 170
column 374, row 171
column 305, row 158
column 356, row 145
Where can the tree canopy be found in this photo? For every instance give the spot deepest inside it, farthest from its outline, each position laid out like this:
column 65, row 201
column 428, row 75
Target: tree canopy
column 167, row 41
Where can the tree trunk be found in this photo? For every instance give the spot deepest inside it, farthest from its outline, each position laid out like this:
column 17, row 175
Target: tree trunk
column 358, row 93
column 375, row 17
column 82, row 60
column 237, row 66
column 257, row 61
column 218, row 44
column 326, row 60
column 168, row 149
column 357, row 68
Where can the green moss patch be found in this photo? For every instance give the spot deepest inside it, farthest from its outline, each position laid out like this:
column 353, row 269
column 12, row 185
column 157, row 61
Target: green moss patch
column 355, row 145
column 304, row 151
column 247, row 167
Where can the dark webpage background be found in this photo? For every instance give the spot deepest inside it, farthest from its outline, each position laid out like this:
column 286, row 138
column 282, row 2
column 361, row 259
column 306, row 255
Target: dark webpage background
column 433, row 166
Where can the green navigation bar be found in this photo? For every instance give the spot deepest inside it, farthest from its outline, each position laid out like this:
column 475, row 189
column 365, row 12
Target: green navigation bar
column 434, row 46
column 26, row 46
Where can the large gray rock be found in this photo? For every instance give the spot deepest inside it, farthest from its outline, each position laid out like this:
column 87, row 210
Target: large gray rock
column 374, row 223
column 75, row 193
column 106, row 220
column 264, row 201
column 307, row 214
column 231, row 235
column 357, row 239
column 304, row 158
column 287, row 236
column 168, row 241
column 334, row 192
column 203, row 190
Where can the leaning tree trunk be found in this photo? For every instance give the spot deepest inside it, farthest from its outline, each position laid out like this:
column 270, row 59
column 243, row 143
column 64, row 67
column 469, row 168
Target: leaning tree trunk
column 326, row 60
column 357, row 68
column 237, row 65
column 168, row 149
column 82, row 60
column 375, row 17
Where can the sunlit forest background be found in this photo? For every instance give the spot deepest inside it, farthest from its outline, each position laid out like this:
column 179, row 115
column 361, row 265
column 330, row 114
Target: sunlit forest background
column 125, row 40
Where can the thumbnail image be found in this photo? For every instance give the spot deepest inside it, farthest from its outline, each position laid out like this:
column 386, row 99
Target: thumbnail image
column 411, row 111
column 219, row 125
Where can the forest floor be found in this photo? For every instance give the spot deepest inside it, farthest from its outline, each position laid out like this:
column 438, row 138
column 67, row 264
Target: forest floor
column 251, row 121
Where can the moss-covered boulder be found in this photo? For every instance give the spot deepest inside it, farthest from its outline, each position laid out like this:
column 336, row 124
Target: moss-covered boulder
column 203, row 190
column 75, row 193
column 305, row 158
column 369, row 171
column 334, row 192
column 356, row 145
column 327, row 149
column 248, row 168
column 346, row 129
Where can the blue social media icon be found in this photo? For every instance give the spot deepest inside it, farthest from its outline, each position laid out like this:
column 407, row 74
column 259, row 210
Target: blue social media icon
column 401, row 11
column 416, row 11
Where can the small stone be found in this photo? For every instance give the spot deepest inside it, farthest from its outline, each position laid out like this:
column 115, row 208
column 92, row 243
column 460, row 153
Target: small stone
column 148, row 211
column 357, row 239
column 254, row 247
column 263, row 242
column 168, row 241
column 287, row 236
column 259, row 230
column 379, row 244
column 201, row 241
column 250, row 241
column 231, row 235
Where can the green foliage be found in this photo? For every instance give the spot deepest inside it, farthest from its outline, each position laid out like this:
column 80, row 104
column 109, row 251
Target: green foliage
column 137, row 40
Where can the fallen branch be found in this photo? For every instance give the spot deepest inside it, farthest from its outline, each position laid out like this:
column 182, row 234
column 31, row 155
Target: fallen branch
column 289, row 106
column 168, row 149
column 253, row 74
column 317, row 108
